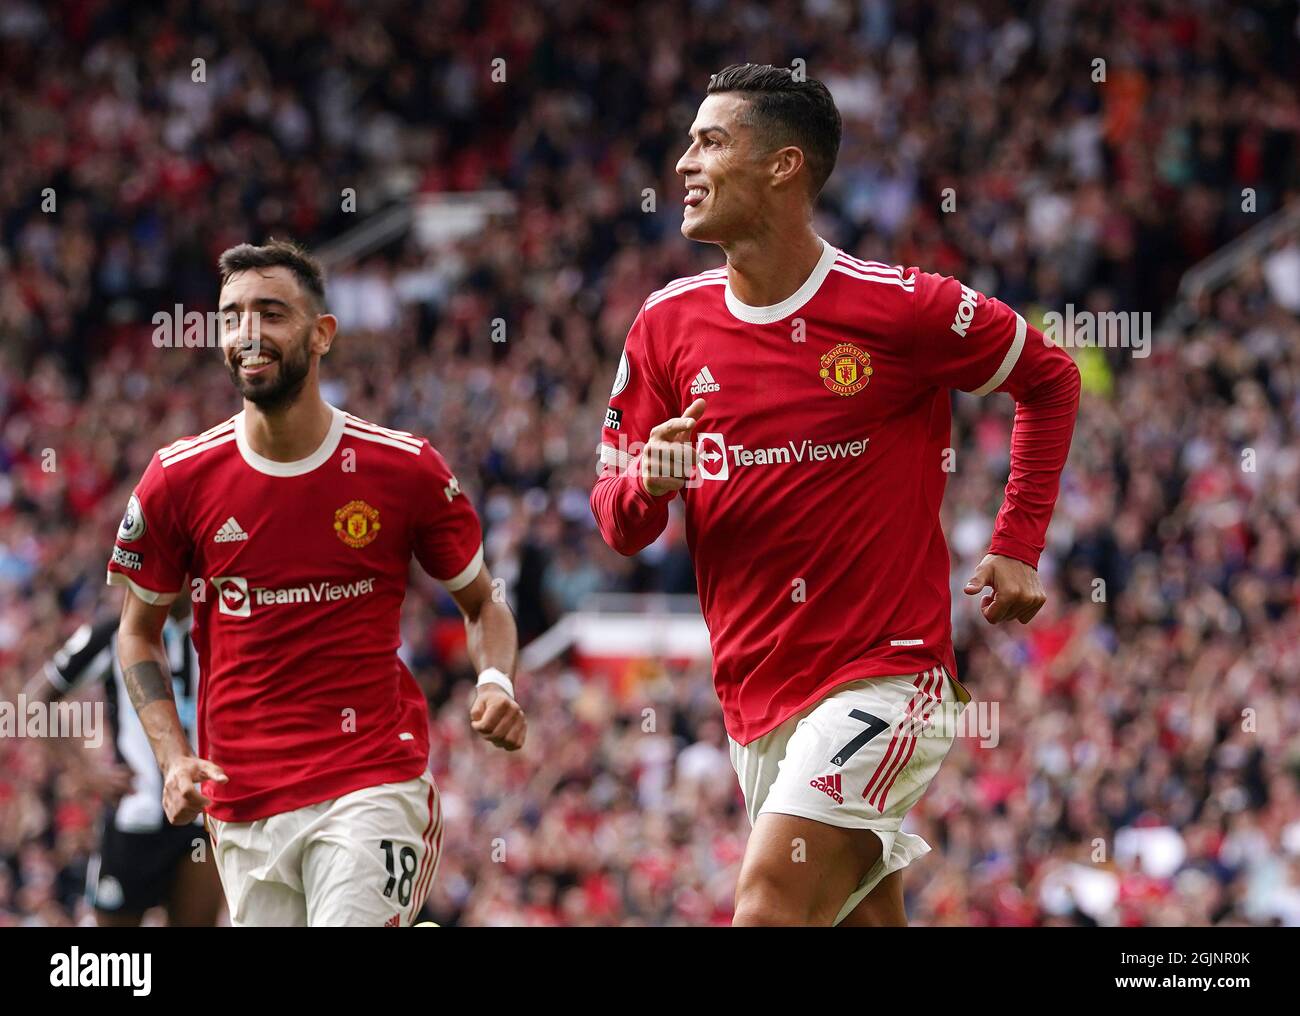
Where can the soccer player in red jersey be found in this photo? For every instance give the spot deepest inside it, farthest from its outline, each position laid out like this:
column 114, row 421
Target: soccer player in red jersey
column 297, row 523
column 798, row 400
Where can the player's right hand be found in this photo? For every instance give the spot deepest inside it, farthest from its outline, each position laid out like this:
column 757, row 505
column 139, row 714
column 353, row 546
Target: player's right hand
column 182, row 798
column 669, row 454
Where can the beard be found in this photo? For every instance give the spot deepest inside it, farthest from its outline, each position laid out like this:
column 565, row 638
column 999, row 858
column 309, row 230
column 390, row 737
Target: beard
column 282, row 389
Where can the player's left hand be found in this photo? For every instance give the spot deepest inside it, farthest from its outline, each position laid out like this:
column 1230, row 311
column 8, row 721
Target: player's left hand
column 1017, row 591
column 498, row 718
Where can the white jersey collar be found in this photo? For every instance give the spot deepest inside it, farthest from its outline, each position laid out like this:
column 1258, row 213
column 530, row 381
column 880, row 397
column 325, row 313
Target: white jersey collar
column 777, row 311
column 272, row 468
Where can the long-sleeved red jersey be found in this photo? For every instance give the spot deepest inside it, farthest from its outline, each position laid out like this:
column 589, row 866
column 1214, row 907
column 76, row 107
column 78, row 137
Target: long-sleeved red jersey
column 813, row 516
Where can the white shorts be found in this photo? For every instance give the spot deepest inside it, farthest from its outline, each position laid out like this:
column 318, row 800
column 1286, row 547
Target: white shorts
column 860, row 758
column 367, row 858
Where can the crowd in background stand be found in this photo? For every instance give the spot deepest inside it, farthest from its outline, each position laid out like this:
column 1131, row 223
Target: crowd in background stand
column 1148, row 763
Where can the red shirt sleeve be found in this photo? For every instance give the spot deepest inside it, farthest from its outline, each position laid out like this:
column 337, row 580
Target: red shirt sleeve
column 630, row 518
column 962, row 338
column 447, row 539
column 152, row 552
column 965, row 340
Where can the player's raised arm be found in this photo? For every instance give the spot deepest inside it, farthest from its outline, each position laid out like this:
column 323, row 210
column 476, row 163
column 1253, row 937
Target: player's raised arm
column 965, row 340
column 146, row 673
column 646, row 450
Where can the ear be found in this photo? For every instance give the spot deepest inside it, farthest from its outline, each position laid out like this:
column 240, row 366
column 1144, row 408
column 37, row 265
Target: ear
column 787, row 162
column 322, row 334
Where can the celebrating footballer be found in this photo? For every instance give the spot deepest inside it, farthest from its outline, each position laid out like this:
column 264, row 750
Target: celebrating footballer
column 292, row 526
column 797, row 400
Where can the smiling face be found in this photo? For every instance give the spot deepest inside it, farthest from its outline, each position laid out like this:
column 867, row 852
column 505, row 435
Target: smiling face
column 726, row 171
column 272, row 336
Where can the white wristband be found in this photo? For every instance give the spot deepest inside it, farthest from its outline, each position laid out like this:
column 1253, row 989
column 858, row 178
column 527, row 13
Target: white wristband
column 494, row 676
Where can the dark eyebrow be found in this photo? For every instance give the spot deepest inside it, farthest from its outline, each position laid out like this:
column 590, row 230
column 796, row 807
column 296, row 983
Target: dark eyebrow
column 711, row 129
column 261, row 301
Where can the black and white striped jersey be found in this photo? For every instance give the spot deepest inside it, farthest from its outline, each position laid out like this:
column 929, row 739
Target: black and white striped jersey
column 90, row 657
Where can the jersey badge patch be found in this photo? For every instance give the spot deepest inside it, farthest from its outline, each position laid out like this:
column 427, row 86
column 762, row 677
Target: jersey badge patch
column 132, row 526
column 357, row 523
column 846, row 369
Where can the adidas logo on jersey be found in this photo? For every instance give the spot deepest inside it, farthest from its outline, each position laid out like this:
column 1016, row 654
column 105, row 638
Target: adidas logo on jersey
column 230, row 532
column 704, row 383
column 831, row 786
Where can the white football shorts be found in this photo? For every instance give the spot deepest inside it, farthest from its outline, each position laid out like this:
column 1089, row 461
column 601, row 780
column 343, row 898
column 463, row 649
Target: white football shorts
column 366, row 859
column 859, row 758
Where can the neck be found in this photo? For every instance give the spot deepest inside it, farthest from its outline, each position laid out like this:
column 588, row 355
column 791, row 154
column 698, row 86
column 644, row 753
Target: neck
column 288, row 433
column 766, row 269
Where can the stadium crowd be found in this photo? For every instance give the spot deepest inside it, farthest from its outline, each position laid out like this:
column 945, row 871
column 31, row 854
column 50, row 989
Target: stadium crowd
column 1147, row 770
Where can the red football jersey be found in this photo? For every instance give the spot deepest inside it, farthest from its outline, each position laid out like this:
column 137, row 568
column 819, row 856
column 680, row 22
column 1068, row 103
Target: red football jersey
column 297, row 571
column 823, row 453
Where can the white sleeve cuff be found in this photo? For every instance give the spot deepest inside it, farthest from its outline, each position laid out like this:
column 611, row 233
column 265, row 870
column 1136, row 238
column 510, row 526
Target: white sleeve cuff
column 55, row 678
column 1008, row 362
column 148, row 595
column 468, row 574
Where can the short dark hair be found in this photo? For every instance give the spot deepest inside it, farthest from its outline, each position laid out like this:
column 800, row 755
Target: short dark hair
column 277, row 254
column 788, row 111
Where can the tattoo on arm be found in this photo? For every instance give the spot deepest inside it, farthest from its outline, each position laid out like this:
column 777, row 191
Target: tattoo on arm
column 145, row 683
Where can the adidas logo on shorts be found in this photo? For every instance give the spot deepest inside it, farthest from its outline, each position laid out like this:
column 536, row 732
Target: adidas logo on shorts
column 831, row 786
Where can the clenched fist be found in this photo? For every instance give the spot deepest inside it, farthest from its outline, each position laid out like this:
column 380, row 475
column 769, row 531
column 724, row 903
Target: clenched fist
column 1017, row 591
column 498, row 718
column 669, row 453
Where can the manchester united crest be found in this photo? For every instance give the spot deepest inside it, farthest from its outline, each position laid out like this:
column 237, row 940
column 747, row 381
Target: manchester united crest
column 846, row 369
column 357, row 523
